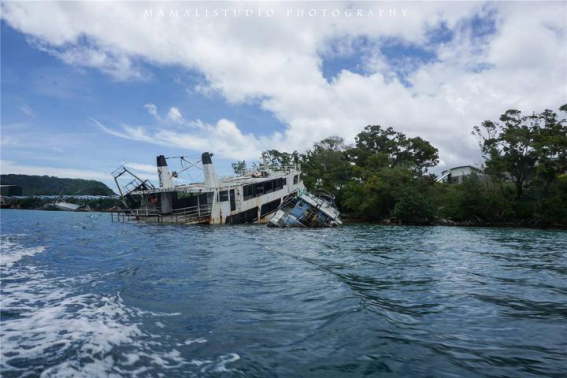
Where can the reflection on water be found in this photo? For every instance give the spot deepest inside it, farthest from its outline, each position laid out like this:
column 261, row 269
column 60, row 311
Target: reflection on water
column 84, row 296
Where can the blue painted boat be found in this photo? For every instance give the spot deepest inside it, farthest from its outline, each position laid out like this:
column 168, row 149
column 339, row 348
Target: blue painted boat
column 304, row 209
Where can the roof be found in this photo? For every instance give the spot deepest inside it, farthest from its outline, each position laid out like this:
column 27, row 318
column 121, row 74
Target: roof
column 226, row 182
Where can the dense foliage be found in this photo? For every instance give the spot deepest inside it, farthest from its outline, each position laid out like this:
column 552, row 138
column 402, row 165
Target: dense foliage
column 384, row 175
column 48, row 185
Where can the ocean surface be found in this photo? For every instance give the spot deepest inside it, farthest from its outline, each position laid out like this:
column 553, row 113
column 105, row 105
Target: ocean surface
column 82, row 296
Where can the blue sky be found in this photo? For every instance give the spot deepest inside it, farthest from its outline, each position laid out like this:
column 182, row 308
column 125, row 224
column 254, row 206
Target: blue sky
column 48, row 109
column 105, row 85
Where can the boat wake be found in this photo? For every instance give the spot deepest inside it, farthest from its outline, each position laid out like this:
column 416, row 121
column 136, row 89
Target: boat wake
column 50, row 329
column 11, row 252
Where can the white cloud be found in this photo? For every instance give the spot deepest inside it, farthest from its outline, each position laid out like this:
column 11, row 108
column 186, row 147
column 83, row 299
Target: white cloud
column 10, row 167
column 277, row 64
column 174, row 115
column 152, row 109
column 147, row 168
column 224, row 138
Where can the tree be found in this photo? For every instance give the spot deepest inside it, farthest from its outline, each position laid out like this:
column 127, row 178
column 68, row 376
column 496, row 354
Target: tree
column 521, row 146
column 239, row 167
column 413, row 205
column 374, row 195
column 415, row 153
column 326, row 166
column 551, row 146
column 276, row 157
column 49, row 185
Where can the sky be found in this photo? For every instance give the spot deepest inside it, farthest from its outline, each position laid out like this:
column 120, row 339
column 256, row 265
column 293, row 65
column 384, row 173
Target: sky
column 89, row 86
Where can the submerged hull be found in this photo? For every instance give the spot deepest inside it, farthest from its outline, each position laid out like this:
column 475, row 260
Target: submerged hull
column 252, row 196
column 66, row 206
column 306, row 210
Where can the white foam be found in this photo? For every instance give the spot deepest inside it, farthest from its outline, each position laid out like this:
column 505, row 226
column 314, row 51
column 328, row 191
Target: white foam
column 50, row 320
column 220, row 366
column 200, row 340
column 11, row 252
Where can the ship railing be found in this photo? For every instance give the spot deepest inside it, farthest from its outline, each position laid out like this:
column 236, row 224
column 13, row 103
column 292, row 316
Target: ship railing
column 269, row 168
column 128, row 214
column 191, row 213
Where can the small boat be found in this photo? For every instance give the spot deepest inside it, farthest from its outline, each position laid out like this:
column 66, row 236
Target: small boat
column 66, row 206
column 304, row 209
column 63, row 205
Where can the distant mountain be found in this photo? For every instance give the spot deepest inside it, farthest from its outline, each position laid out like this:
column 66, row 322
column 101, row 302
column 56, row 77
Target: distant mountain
column 49, row 185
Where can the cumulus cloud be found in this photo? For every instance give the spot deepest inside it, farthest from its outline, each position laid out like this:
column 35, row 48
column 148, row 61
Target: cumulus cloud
column 500, row 55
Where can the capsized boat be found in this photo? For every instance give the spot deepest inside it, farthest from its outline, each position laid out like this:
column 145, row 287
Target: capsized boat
column 66, row 206
column 63, row 205
column 304, row 209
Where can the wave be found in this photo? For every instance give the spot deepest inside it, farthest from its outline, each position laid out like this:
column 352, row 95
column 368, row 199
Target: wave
column 12, row 252
column 49, row 329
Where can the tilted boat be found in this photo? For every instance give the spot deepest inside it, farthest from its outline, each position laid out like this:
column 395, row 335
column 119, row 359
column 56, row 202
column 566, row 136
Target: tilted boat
column 304, row 209
column 253, row 196
column 62, row 205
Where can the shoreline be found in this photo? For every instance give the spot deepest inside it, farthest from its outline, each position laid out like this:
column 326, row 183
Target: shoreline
column 451, row 223
column 391, row 223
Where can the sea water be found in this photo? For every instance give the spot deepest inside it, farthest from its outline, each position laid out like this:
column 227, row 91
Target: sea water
column 82, row 296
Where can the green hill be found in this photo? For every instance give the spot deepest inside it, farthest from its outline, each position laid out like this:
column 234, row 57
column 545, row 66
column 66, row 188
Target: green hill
column 49, row 185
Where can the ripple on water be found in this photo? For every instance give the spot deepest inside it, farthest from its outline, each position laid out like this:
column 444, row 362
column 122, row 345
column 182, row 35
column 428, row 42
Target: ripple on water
column 85, row 296
column 50, row 330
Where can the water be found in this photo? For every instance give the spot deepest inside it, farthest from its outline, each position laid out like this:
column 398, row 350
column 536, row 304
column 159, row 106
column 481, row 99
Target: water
column 82, row 296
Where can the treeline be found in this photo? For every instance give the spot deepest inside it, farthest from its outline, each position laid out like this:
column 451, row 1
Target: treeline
column 385, row 175
column 49, row 185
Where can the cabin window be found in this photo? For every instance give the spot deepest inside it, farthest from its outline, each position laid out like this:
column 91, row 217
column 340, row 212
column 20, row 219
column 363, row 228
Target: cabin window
column 259, row 189
column 182, row 200
column 295, row 179
column 268, row 186
column 232, row 200
column 269, row 207
column 247, row 216
column 223, row 196
column 248, row 191
column 284, row 182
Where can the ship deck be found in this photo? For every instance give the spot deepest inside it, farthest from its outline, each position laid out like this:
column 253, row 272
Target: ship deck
column 224, row 183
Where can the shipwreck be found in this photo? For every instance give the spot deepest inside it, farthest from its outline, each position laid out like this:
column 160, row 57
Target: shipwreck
column 253, row 196
column 304, row 209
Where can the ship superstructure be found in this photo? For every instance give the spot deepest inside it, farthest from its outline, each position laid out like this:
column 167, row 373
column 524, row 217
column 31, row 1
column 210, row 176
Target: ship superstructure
column 253, row 196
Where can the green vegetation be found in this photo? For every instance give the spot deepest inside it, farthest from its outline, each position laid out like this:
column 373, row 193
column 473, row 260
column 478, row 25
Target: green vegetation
column 48, row 185
column 384, row 176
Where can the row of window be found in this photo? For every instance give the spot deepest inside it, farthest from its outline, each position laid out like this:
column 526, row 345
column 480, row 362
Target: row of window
column 255, row 190
column 261, row 188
